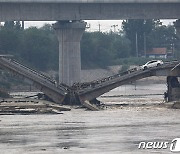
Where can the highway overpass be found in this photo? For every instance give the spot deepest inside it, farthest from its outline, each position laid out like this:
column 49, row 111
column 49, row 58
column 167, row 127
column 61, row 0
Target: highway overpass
column 69, row 33
column 53, row 10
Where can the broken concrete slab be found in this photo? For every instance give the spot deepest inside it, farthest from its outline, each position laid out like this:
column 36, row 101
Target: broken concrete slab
column 90, row 106
column 30, row 106
column 176, row 105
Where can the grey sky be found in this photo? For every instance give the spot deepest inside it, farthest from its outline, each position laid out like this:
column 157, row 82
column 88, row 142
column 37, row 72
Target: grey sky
column 105, row 25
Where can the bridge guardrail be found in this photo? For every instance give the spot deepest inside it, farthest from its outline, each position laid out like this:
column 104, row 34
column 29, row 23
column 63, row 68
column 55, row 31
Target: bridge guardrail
column 30, row 73
column 95, row 83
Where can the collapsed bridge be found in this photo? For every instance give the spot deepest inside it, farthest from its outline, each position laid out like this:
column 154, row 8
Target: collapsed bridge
column 41, row 81
column 89, row 91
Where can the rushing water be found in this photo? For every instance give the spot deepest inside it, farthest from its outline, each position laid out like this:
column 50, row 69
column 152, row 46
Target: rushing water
column 111, row 131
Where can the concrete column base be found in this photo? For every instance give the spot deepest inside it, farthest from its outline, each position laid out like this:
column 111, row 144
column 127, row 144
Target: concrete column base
column 69, row 35
column 176, row 105
column 173, row 92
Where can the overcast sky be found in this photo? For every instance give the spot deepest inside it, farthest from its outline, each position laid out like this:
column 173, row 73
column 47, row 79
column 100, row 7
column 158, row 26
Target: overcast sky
column 105, row 25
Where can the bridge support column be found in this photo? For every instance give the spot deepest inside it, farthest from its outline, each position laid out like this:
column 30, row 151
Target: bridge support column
column 173, row 92
column 69, row 35
column 177, row 26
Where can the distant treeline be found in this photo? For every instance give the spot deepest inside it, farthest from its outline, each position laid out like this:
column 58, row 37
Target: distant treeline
column 38, row 47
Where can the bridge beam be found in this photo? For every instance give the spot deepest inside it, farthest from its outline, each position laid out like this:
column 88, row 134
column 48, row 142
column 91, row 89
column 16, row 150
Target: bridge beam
column 86, row 10
column 69, row 35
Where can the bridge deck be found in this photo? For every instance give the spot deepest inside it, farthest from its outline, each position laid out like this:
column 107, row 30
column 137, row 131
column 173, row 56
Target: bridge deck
column 55, row 10
column 89, row 1
column 91, row 90
column 45, row 83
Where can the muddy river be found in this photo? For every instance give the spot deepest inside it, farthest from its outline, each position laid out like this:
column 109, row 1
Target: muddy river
column 133, row 114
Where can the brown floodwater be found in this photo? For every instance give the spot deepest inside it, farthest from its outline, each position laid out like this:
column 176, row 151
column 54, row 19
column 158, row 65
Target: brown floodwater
column 115, row 130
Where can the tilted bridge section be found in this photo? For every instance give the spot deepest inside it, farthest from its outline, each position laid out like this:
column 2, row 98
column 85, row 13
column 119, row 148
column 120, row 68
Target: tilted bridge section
column 41, row 81
column 88, row 91
column 94, row 89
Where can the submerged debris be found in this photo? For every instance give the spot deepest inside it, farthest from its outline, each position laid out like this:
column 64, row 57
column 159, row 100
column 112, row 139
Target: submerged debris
column 4, row 93
column 90, row 106
column 30, row 106
column 176, row 105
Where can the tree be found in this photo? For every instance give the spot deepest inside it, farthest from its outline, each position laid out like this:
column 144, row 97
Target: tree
column 10, row 39
column 17, row 25
column 9, row 25
column 140, row 28
column 94, row 49
column 121, row 47
column 37, row 48
column 162, row 36
column 102, row 49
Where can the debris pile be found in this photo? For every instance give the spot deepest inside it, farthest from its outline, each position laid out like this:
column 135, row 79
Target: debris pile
column 30, row 106
column 3, row 93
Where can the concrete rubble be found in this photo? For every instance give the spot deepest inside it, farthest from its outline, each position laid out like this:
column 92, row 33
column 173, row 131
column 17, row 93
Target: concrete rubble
column 30, row 106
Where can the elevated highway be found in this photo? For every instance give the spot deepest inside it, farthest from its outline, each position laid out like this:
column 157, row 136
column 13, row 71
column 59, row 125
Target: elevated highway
column 53, row 10
column 89, row 1
column 69, row 33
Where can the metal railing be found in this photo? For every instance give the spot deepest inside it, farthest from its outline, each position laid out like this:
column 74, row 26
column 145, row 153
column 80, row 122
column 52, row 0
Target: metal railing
column 30, row 73
column 96, row 83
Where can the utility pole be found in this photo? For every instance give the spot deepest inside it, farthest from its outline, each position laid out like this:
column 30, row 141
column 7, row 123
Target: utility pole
column 99, row 25
column 23, row 25
column 173, row 51
column 137, row 45
column 114, row 26
column 145, row 52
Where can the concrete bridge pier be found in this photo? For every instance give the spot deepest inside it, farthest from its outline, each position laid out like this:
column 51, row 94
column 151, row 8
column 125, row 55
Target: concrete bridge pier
column 177, row 26
column 173, row 92
column 69, row 36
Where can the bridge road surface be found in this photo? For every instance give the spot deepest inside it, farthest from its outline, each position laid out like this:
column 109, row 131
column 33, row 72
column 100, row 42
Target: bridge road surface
column 86, row 91
column 54, row 10
column 42, row 82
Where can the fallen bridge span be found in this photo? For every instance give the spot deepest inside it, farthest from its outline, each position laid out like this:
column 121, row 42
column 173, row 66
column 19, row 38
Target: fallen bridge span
column 81, row 93
column 41, row 81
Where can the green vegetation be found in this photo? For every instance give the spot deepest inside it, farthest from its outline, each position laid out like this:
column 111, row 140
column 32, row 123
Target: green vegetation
column 38, row 47
column 7, row 80
column 124, row 68
column 35, row 47
column 103, row 49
